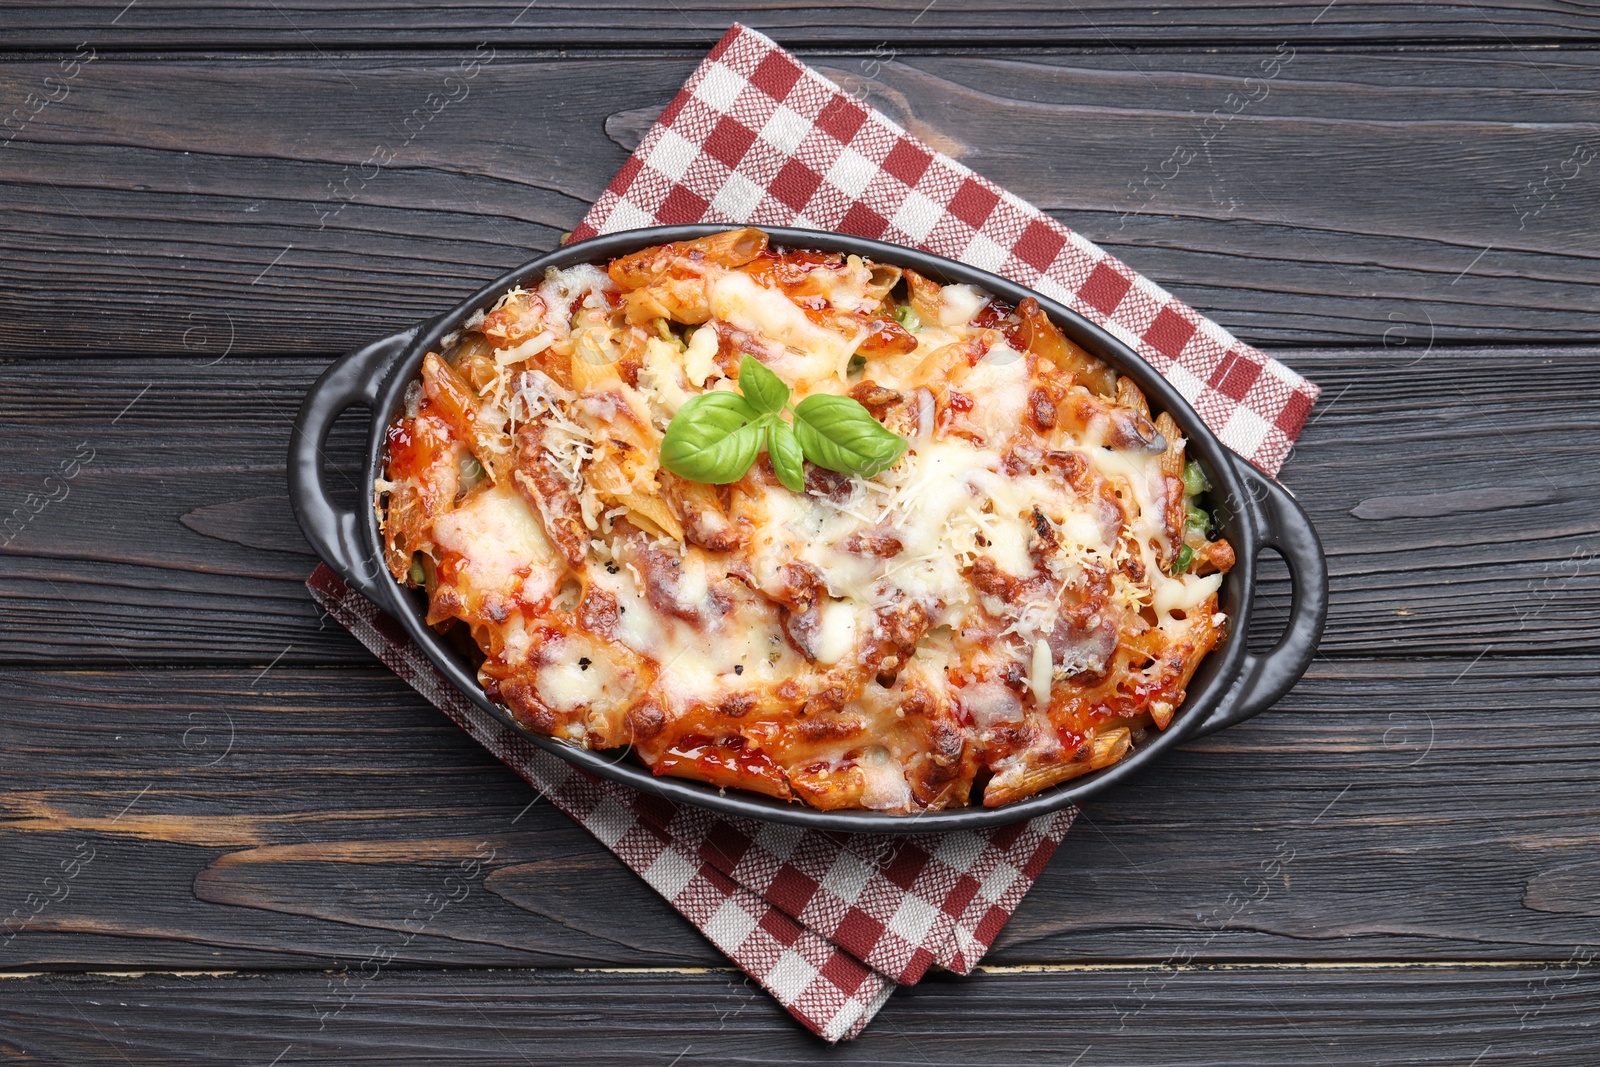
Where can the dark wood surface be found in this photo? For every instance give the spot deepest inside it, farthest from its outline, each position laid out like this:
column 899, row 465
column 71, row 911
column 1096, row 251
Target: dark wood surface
column 250, row 805
column 239, row 220
column 1446, row 1016
column 694, row 25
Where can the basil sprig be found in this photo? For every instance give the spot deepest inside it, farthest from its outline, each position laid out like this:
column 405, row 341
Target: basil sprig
column 716, row 436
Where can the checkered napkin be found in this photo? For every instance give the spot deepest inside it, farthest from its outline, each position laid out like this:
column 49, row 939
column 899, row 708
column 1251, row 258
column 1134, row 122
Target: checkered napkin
column 757, row 137
column 827, row 923
column 830, row 923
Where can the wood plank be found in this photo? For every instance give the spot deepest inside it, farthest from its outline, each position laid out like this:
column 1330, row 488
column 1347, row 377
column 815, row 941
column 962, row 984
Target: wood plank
column 250, row 218
column 174, row 541
column 1455, row 513
column 696, row 23
column 1382, row 809
column 240, row 819
column 269, row 818
column 1276, row 1016
column 1146, row 162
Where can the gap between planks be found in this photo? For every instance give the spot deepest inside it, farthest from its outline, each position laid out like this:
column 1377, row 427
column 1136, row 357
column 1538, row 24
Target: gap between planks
column 1091, row 44
column 996, row 969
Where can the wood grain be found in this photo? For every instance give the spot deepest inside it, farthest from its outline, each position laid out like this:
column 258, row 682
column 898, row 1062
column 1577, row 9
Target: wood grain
column 1394, row 865
column 1457, row 513
column 695, row 24
column 267, row 816
column 211, row 206
column 1278, row 1016
column 1423, row 810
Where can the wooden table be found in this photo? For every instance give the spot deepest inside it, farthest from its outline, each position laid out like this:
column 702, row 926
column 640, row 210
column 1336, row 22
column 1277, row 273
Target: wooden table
column 215, row 806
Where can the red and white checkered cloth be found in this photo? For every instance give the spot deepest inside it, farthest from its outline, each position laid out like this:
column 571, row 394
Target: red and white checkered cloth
column 757, row 137
column 827, row 923
column 830, row 923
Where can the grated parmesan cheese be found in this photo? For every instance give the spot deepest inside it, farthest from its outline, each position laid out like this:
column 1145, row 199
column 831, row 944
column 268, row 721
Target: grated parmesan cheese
column 969, row 587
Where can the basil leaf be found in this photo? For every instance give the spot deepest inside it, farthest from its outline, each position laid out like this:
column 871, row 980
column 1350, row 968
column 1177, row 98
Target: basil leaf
column 838, row 433
column 787, row 459
column 764, row 389
column 713, row 438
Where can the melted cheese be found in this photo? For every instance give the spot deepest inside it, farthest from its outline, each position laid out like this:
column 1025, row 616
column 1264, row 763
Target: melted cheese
column 958, row 304
column 568, row 685
column 662, row 381
column 1002, row 379
column 846, row 288
column 564, row 292
column 812, row 353
column 837, row 632
column 1041, row 673
column 970, row 587
column 1184, row 594
column 886, row 786
column 700, row 361
column 502, row 546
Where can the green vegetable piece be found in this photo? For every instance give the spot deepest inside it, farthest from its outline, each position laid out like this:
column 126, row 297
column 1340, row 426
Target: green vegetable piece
column 1199, row 519
column 857, row 365
column 1194, row 480
column 787, row 459
column 764, row 389
column 907, row 318
column 838, row 433
column 713, row 438
column 1181, row 561
column 664, row 330
column 417, row 574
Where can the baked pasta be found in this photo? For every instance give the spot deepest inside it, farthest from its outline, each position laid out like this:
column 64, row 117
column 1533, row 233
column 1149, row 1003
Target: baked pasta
column 1012, row 601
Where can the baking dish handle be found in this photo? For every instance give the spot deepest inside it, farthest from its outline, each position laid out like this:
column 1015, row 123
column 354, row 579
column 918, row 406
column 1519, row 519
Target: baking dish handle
column 1268, row 676
column 335, row 532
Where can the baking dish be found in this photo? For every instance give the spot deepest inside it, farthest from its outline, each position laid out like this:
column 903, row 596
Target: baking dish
column 1254, row 512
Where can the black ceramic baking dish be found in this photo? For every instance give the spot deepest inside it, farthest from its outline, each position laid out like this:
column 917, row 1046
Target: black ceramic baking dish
column 1231, row 685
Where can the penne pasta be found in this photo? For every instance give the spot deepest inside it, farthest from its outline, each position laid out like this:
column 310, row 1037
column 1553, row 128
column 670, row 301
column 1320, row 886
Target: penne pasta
column 1010, row 594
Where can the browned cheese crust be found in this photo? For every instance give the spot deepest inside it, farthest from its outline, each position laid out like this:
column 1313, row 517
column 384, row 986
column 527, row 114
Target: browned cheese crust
column 996, row 613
